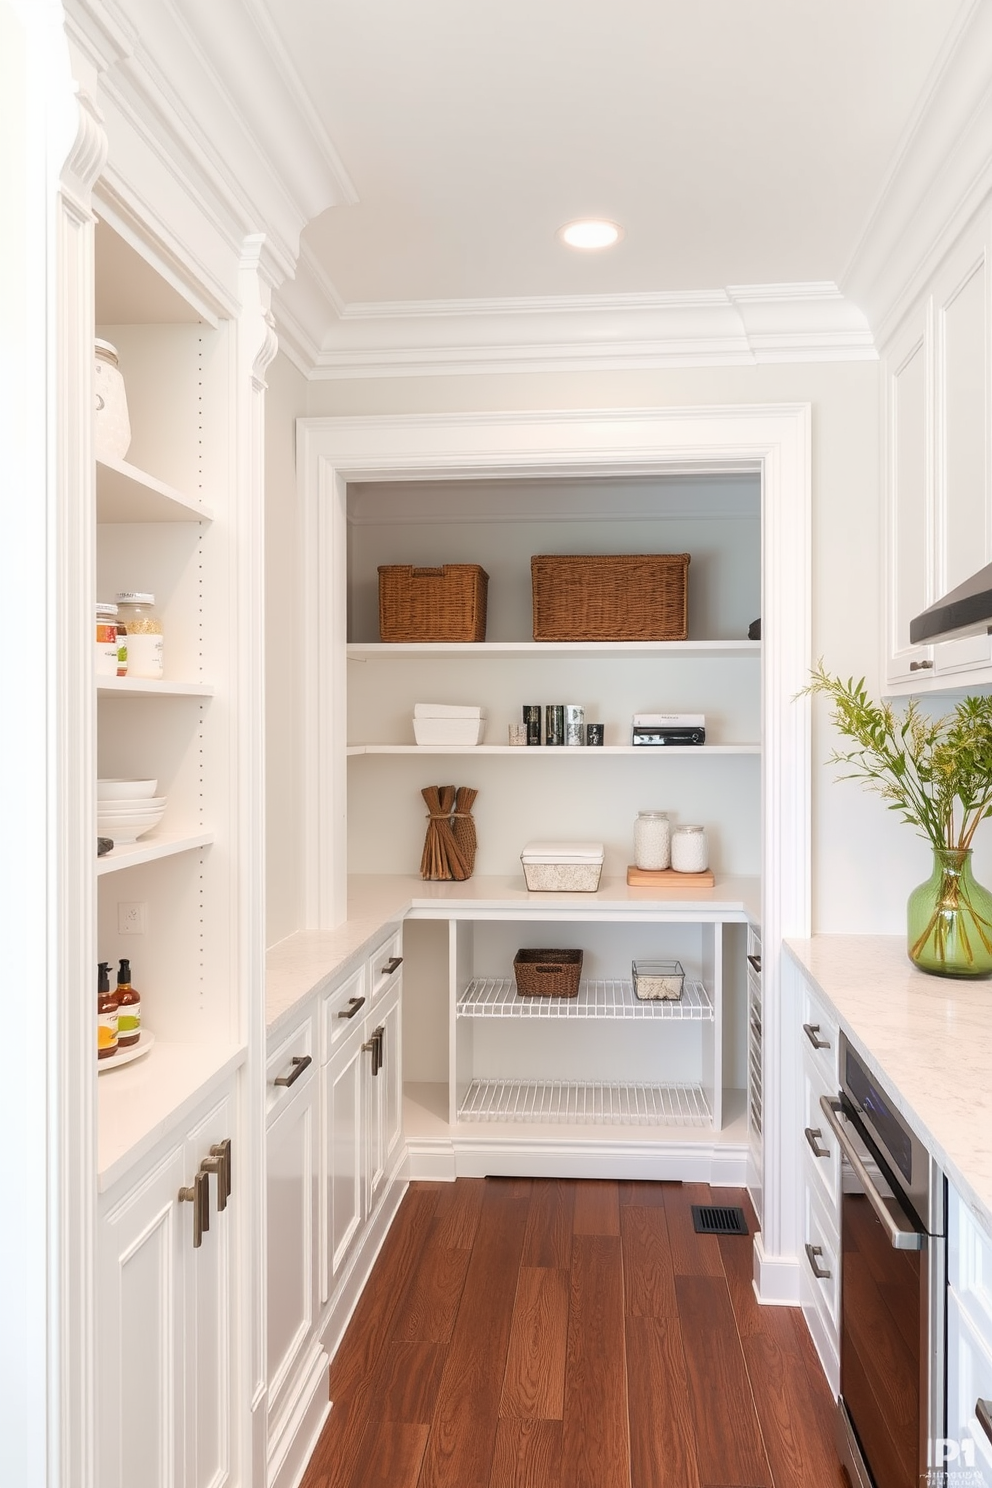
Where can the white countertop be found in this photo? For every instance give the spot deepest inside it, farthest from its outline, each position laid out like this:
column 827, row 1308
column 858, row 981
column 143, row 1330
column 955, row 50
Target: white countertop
column 927, row 1038
column 302, row 963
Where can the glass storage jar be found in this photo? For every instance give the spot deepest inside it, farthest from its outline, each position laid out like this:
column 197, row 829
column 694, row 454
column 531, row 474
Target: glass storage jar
column 112, row 427
column 145, row 643
column 107, row 662
column 690, row 851
column 651, row 840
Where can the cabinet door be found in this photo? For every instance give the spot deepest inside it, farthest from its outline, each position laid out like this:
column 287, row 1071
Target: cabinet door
column 968, row 1446
column 143, row 1241
column 291, row 1213
column 211, row 1410
column 908, row 496
column 385, row 1096
column 961, row 377
column 344, row 1164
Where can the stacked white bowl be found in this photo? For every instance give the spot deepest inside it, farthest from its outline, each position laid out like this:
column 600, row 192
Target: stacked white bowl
column 127, row 809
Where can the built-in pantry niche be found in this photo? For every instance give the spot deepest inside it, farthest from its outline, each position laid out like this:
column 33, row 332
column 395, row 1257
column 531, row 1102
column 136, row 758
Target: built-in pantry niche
column 555, row 793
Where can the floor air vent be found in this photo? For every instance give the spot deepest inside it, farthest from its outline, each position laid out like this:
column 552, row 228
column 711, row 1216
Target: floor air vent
column 718, row 1219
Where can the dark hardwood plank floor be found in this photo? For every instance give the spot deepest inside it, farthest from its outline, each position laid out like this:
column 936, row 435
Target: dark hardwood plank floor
column 543, row 1333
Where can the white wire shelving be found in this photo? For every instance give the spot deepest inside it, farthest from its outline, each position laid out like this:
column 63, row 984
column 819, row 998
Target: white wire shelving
column 583, row 1103
column 496, row 997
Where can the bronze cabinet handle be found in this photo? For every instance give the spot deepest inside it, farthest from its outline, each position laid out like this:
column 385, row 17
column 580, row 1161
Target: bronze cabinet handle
column 812, row 1252
column 755, row 962
column 390, row 966
column 983, row 1411
column 811, row 1030
column 300, row 1063
column 354, row 1003
column 223, row 1151
column 215, row 1164
column 374, row 1046
column 811, row 1134
column 920, row 666
column 198, row 1194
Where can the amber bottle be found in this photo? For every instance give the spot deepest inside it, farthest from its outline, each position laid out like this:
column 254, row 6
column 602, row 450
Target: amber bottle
column 129, row 1008
column 106, row 1014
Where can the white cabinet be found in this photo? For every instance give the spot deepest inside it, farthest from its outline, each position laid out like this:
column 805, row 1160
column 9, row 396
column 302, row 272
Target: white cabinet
column 938, row 463
column 755, row 1182
column 168, row 1366
column 820, row 1260
column 969, row 1342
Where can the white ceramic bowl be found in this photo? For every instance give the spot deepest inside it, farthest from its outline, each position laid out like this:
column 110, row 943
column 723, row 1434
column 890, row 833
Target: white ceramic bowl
column 123, row 829
column 124, row 790
column 135, row 805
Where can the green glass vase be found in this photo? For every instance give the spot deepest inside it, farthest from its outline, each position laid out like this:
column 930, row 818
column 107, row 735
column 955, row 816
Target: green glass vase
column 950, row 919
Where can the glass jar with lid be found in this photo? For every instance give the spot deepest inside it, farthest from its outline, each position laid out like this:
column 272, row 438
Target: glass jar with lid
column 690, row 850
column 651, row 840
column 108, row 660
column 145, row 643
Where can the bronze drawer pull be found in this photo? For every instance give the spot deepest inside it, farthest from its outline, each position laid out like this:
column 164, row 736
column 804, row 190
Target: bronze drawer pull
column 198, row 1194
column 354, row 1003
column 300, row 1063
column 391, row 965
column 811, row 1030
column 920, row 666
column 756, row 963
column 811, row 1134
column 812, row 1252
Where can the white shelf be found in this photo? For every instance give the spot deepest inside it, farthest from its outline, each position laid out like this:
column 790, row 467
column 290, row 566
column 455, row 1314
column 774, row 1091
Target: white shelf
column 557, row 751
column 148, row 849
column 126, row 494
column 587, row 1104
column 527, row 650
column 496, row 997
column 147, row 687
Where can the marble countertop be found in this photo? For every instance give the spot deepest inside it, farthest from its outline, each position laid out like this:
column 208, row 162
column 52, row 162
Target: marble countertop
column 927, row 1038
column 305, row 962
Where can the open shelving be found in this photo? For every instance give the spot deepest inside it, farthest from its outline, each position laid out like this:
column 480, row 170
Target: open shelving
column 585, row 1103
column 497, row 997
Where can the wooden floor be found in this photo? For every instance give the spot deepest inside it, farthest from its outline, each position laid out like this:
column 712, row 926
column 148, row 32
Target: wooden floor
column 536, row 1333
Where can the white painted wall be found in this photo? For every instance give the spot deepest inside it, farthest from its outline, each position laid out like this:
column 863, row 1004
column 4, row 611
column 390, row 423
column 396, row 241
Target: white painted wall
column 864, row 863
column 285, row 400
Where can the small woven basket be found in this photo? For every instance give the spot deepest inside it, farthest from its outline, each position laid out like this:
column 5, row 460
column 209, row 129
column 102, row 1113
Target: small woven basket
column 547, row 973
column 432, row 604
column 610, row 597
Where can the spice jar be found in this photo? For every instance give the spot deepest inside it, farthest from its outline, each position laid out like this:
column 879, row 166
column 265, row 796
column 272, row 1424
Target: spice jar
column 651, row 840
column 690, row 851
column 106, row 663
column 112, row 427
column 144, row 634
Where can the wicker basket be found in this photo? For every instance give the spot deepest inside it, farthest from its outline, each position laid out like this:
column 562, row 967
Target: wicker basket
column 432, row 604
column 614, row 597
column 547, row 973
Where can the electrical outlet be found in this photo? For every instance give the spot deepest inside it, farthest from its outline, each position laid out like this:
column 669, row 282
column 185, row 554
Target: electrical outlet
column 131, row 919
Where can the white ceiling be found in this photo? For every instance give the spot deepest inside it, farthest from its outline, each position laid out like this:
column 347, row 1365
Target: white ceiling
column 739, row 142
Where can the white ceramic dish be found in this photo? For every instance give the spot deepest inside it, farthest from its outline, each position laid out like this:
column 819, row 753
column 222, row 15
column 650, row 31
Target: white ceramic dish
column 125, row 790
column 126, row 829
column 125, row 1056
column 136, row 806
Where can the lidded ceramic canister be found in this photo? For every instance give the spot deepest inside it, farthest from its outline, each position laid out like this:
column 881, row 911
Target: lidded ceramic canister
column 112, row 427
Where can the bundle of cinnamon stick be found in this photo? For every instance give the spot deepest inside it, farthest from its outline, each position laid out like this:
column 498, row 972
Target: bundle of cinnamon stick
column 449, row 848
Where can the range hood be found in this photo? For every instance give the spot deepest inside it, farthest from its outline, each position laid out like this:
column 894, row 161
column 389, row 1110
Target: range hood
column 965, row 611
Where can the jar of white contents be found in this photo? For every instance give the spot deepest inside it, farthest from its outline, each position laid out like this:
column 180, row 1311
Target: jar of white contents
column 105, row 664
column 651, row 840
column 144, row 634
column 690, row 853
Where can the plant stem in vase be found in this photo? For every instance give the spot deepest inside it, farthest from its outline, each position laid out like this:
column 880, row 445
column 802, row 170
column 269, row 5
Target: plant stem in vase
column 950, row 919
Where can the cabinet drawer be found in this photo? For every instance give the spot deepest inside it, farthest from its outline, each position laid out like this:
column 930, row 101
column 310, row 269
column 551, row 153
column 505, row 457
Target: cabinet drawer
column 969, row 1261
column 818, row 1138
column 289, row 1065
column 969, row 1379
column 821, row 1252
column 819, row 1039
column 341, row 1009
column 384, row 965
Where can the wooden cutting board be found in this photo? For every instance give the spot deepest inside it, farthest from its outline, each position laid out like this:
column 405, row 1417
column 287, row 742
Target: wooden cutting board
column 668, row 878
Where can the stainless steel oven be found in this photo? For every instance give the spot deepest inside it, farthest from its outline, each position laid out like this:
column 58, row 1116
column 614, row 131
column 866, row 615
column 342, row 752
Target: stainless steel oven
column 893, row 1272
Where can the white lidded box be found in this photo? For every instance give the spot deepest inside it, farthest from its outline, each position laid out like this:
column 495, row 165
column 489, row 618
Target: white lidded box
column 568, row 867
column 448, row 725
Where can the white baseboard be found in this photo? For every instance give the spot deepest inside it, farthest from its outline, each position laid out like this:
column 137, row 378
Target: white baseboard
column 776, row 1278
column 352, row 1284
column 294, row 1436
column 720, row 1164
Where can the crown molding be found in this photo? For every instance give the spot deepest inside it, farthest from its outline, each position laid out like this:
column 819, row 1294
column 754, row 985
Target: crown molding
column 209, row 97
column 940, row 176
column 743, row 325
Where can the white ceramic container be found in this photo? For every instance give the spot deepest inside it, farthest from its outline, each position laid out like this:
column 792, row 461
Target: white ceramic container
column 568, row 867
column 112, row 427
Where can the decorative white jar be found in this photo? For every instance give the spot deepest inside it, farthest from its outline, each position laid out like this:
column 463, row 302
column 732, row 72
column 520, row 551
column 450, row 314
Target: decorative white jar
column 651, row 840
column 690, row 851
column 112, row 427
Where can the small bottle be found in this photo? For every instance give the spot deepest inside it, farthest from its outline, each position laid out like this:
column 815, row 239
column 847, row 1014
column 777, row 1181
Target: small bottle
column 145, row 644
column 105, row 664
column 129, row 1007
column 690, row 852
column 651, row 840
column 106, row 1014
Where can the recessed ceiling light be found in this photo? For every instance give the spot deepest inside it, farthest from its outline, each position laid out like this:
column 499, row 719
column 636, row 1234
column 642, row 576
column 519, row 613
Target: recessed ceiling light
column 591, row 232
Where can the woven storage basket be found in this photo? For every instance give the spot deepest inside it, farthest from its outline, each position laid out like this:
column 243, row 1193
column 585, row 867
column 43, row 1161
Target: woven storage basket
column 612, row 597
column 432, row 604
column 547, row 973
